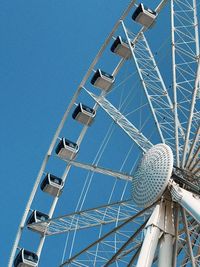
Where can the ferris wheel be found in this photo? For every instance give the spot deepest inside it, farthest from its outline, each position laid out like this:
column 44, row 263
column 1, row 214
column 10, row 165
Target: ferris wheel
column 125, row 159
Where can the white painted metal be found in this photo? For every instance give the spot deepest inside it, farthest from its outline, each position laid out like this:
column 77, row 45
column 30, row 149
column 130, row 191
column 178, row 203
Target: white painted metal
column 53, row 142
column 163, row 217
column 26, row 212
column 149, row 247
column 152, row 175
column 187, row 200
column 88, row 218
column 185, row 55
column 165, row 251
column 159, row 224
column 98, row 169
column 188, row 238
column 151, row 238
column 161, row 6
column 192, row 148
column 196, row 27
column 194, row 159
column 196, row 167
column 174, row 87
column 156, row 179
column 136, row 38
column 191, row 115
column 154, row 88
column 143, row 83
column 122, row 121
column 76, row 261
column 176, row 235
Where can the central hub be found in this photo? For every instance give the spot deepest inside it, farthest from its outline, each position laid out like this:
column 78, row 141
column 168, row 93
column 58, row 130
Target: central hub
column 152, row 175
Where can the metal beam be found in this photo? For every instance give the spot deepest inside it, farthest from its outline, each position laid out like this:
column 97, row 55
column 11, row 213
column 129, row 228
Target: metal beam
column 186, row 199
column 190, row 185
column 174, row 86
column 86, row 218
column 194, row 240
column 149, row 245
column 192, row 148
column 195, row 166
column 188, row 237
column 194, row 159
column 130, row 264
column 97, row 169
column 185, row 61
column 176, row 237
column 160, row 6
column 165, row 251
column 106, row 235
column 142, row 141
column 153, row 231
column 154, row 88
column 117, row 254
column 191, row 114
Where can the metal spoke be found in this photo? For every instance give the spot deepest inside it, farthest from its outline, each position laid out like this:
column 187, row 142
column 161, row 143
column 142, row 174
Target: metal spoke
column 108, row 234
column 192, row 148
column 194, row 167
column 134, row 256
column 137, row 36
column 185, row 54
column 174, row 87
column 117, row 254
column 176, row 225
column 194, row 159
column 86, row 218
column 191, row 115
column 193, row 241
column 188, row 237
column 154, row 87
column 123, row 122
column 97, row 169
column 146, row 116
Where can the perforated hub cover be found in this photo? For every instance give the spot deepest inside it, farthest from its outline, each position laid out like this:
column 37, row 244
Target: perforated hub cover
column 152, row 175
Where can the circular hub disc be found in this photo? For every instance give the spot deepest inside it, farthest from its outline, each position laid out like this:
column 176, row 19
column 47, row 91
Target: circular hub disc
column 152, row 175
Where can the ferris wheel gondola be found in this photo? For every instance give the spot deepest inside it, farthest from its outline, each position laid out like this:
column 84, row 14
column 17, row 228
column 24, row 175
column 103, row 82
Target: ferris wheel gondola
column 149, row 214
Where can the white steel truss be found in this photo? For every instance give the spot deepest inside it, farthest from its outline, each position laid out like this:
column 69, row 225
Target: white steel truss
column 188, row 241
column 194, row 150
column 115, row 212
column 185, row 56
column 123, row 122
column 126, row 245
column 155, row 90
column 89, row 254
column 98, row 169
column 61, row 125
column 53, row 142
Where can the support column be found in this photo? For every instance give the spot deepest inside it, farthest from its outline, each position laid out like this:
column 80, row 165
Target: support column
column 149, row 246
column 151, row 238
column 189, row 201
column 165, row 251
column 161, row 223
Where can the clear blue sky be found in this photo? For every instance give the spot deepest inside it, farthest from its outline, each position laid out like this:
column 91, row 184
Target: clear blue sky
column 45, row 49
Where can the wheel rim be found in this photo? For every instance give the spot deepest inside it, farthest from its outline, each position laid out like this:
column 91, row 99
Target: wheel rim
column 125, row 245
